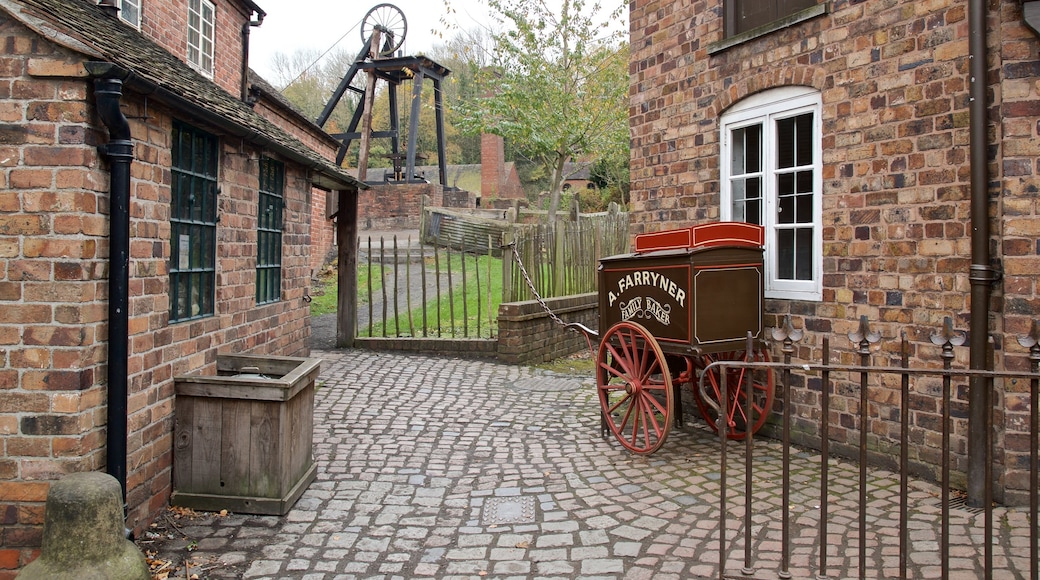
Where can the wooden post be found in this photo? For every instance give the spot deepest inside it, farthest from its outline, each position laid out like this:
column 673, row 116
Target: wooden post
column 366, row 115
column 346, row 282
column 508, row 237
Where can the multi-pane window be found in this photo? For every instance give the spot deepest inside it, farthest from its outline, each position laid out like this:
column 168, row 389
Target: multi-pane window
column 201, row 18
column 744, row 15
column 771, row 176
column 193, row 224
column 269, row 231
column 130, row 11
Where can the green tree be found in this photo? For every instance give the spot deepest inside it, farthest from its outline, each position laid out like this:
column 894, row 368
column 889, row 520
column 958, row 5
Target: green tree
column 307, row 79
column 555, row 87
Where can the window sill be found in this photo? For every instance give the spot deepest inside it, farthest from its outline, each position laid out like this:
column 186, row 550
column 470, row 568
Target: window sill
column 807, row 14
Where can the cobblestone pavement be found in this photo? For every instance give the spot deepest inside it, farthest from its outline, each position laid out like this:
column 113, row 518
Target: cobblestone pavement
column 444, row 468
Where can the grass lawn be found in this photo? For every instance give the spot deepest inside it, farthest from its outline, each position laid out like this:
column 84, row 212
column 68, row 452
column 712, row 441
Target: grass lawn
column 458, row 317
column 326, row 295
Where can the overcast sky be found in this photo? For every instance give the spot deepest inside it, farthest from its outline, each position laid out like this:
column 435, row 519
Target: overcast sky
column 291, row 25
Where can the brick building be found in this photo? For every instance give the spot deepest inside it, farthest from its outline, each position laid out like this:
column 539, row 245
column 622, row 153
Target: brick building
column 846, row 129
column 152, row 215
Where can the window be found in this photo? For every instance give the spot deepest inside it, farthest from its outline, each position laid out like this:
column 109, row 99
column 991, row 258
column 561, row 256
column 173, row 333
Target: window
column 269, row 232
column 771, row 176
column 130, row 11
column 201, row 17
column 193, row 224
column 745, row 15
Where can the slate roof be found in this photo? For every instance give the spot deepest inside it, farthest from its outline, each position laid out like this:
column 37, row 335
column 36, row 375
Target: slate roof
column 83, row 27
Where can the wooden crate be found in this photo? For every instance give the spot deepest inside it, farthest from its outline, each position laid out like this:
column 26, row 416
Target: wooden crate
column 244, row 443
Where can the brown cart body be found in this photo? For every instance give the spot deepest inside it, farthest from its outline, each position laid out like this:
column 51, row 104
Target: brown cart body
column 673, row 313
column 692, row 300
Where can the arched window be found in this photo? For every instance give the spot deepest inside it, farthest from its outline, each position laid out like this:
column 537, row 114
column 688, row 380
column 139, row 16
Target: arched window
column 772, row 176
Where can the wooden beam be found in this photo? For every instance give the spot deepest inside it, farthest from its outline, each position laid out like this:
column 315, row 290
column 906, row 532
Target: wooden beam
column 346, row 281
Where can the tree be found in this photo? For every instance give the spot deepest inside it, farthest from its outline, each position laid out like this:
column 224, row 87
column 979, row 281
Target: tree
column 307, row 79
column 556, row 85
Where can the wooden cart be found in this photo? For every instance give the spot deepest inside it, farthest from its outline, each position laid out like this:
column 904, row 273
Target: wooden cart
column 685, row 299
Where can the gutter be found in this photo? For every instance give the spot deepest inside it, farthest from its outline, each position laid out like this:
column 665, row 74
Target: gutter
column 120, row 153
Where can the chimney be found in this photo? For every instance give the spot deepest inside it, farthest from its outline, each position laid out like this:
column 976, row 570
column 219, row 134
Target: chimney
column 492, row 165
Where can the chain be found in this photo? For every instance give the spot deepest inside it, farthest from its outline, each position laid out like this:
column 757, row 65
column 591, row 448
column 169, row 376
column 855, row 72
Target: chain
column 577, row 327
column 530, row 284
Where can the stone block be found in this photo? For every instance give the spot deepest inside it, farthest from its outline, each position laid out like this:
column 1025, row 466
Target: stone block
column 83, row 533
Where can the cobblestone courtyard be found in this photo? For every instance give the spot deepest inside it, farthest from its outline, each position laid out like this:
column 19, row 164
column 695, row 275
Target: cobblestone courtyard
column 444, row 468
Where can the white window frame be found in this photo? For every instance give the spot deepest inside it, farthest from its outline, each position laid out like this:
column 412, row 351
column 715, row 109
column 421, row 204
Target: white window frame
column 201, row 35
column 127, row 7
column 765, row 109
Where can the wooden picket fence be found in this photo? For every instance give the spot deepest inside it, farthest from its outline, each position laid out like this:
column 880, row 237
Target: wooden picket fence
column 561, row 261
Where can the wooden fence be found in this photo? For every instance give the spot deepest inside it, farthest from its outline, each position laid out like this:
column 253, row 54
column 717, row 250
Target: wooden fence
column 561, row 261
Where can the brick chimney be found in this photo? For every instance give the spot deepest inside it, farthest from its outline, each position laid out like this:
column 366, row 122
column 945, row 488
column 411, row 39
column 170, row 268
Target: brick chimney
column 492, row 164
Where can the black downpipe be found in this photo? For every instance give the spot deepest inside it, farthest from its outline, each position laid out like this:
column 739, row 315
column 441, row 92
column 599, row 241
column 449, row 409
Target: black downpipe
column 120, row 153
column 982, row 275
column 245, row 55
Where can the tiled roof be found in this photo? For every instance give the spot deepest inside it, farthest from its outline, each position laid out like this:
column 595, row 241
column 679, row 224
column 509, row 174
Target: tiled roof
column 82, row 26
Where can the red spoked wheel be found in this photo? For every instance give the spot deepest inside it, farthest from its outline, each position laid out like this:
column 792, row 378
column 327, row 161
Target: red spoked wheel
column 635, row 388
column 739, row 383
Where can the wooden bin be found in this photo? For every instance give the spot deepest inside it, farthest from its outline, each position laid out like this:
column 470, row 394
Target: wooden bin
column 243, row 443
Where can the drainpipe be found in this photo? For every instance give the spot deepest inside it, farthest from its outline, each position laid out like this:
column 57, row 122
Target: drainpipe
column 245, row 54
column 982, row 274
column 120, row 153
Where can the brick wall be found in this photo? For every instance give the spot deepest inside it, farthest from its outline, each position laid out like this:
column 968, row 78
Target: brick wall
column 498, row 179
column 54, row 287
column 323, row 231
column 526, row 333
column 1017, row 167
column 167, row 24
column 492, row 164
column 388, row 207
column 893, row 80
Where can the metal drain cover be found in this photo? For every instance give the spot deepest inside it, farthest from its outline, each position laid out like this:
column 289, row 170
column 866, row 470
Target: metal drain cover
column 509, row 510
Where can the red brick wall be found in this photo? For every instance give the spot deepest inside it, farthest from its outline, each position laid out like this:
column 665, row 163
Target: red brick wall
column 166, row 22
column 894, row 83
column 54, row 287
column 388, row 207
column 492, row 164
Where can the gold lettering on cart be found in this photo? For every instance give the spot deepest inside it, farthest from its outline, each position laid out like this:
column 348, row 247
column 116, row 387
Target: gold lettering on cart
column 648, row 278
column 662, row 312
column 633, row 309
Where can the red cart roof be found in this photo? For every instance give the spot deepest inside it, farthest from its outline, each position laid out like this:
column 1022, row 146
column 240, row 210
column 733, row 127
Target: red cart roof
column 703, row 236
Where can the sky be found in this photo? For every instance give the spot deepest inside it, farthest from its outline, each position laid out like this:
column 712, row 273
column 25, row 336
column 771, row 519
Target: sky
column 291, row 25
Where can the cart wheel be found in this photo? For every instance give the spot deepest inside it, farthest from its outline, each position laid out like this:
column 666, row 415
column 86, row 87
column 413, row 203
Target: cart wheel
column 738, row 381
column 635, row 389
